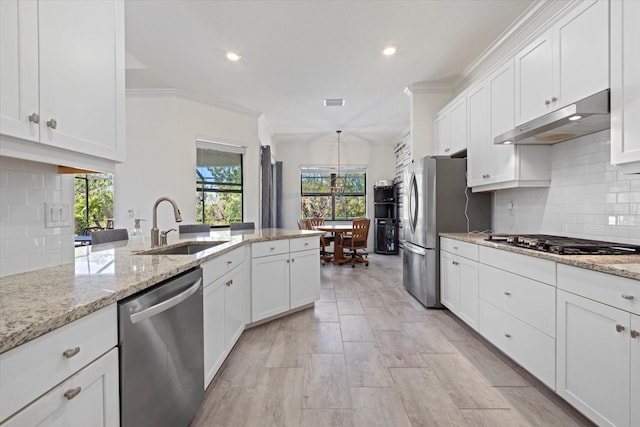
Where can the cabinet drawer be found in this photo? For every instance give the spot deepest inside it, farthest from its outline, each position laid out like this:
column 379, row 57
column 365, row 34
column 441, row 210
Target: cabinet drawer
column 304, row 243
column 616, row 291
column 219, row 266
column 271, row 247
column 538, row 269
column 530, row 301
column 33, row 368
column 458, row 247
column 532, row 349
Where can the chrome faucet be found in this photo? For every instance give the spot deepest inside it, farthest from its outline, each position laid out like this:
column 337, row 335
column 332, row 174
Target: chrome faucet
column 155, row 232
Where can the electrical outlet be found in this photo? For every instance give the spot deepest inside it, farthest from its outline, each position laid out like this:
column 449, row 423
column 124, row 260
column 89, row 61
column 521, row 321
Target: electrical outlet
column 56, row 215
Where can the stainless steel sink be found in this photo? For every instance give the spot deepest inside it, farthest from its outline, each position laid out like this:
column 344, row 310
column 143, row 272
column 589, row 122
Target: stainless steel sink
column 189, row 248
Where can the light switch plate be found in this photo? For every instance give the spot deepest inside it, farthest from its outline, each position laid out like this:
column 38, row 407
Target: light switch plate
column 56, row 215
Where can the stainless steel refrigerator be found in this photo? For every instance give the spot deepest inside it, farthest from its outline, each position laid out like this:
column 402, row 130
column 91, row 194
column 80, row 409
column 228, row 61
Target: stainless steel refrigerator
column 434, row 202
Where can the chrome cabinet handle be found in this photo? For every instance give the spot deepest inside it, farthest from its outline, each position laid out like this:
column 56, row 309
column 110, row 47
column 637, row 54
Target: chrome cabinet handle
column 627, row 296
column 52, row 123
column 455, row 262
column 455, row 247
column 229, row 282
column 634, row 333
column 288, row 261
column 71, row 352
column 306, row 244
column 70, row 394
column 507, row 293
column 229, row 262
column 554, row 99
column 547, row 102
column 272, row 248
column 619, row 328
column 34, row 118
column 293, row 259
column 507, row 335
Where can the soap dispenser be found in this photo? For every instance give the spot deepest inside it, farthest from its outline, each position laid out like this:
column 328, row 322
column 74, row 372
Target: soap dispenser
column 136, row 238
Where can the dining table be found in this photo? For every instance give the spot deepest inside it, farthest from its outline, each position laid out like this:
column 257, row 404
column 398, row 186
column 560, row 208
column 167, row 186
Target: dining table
column 338, row 230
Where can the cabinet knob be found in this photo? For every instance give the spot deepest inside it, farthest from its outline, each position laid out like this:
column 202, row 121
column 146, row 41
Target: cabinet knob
column 293, row 259
column 229, row 262
column 547, row 102
column 634, row 334
column 70, row 394
column 34, row 118
column 272, row 248
column 288, row 261
column 507, row 335
column 229, row 282
column 554, row 99
column 627, row 296
column 52, row 123
column 455, row 247
column 454, row 262
column 71, row 352
column 507, row 293
column 446, row 150
column 619, row 328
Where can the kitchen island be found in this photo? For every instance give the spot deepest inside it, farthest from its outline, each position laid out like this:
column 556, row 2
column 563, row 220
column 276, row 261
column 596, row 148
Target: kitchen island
column 36, row 302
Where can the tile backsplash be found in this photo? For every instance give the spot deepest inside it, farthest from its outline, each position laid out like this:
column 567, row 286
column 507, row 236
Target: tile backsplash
column 588, row 197
column 25, row 243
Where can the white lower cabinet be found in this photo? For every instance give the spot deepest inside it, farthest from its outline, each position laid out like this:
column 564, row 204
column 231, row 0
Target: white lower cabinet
column 284, row 277
column 459, row 279
column 88, row 398
column 635, row 370
column 224, row 308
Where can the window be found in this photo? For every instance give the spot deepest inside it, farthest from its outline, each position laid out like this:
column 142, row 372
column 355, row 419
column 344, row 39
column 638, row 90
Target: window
column 219, row 186
column 93, row 207
column 317, row 200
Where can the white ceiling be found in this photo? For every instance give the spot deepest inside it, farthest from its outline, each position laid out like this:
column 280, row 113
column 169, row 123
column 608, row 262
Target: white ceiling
column 296, row 53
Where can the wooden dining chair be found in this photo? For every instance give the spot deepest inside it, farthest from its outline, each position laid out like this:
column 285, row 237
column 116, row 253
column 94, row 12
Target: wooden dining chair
column 325, row 255
column 357, row 240
column 303, row 224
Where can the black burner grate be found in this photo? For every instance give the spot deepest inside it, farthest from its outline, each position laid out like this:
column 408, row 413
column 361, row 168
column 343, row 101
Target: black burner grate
column 564, row 245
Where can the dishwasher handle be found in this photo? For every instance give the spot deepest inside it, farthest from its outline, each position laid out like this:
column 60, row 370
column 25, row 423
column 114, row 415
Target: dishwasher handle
column 165, row 305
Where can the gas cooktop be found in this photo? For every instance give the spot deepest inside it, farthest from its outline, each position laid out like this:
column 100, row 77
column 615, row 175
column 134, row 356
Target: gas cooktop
column 564, row 245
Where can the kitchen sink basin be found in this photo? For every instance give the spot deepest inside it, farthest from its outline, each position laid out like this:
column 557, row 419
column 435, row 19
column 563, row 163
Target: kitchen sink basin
column 182, row 249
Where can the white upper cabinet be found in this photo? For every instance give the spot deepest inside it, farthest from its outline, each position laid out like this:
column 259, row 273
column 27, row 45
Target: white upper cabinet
column 451, row 129
column 625, row 81
column 62, row 80
column 567, row 63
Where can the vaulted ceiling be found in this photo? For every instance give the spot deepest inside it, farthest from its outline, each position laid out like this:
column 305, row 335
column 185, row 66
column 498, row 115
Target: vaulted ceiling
column 296, row 53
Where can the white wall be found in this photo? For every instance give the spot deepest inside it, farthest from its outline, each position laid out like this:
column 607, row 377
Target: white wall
column 378, row 157
column 25, row 244
column 588, row 197
column 161, row 156
column 424, row 106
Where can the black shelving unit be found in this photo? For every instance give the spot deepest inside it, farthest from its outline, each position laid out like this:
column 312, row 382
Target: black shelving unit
column 385, row 205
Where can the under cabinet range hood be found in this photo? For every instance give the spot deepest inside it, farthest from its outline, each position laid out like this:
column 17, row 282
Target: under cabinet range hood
column 587, row 116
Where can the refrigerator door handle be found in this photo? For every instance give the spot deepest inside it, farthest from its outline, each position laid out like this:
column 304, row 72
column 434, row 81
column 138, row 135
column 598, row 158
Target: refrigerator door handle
column 415, row 249
column 413, row 202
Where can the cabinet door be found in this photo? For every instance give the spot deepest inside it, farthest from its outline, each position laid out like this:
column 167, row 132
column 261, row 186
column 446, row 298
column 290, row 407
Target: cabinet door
column 625, row 81
column 458, row 127
column 234, row 316
column 449, row 281
column 468, row 307
column 635, row 370
column 593, row 358
column 501, row 87
column 88, row 398
column 534, row 80
column 269, row 286
column 479, row 149
column 305, row 277
column 581, row 53
column 19, row 69
column 441, row 129
column 81, row 53
column 213, row 328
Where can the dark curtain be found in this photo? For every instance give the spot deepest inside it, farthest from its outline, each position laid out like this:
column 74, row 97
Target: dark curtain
column 271, row 190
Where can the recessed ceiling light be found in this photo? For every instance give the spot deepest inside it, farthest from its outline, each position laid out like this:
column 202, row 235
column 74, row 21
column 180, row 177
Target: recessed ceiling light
column 573, row 118
column 334, row 102
column 232, row 56
column 388, row 51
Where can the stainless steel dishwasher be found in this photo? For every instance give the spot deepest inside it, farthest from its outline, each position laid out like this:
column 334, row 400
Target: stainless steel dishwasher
column 161, row 353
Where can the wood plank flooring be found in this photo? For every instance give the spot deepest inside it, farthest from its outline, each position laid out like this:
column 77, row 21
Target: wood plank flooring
column 368, row 354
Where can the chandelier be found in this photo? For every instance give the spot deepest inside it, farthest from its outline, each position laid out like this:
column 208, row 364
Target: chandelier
column 338, row 182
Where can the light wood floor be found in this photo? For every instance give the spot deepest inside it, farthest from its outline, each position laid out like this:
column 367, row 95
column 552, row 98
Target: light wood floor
column 368, row 354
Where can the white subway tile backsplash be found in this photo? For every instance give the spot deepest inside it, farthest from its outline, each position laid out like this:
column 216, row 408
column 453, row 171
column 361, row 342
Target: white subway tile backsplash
column 25, row 244
column 588, row 197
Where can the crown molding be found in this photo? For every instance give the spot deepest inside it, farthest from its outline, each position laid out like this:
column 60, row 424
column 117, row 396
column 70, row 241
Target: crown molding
column 434, row 86
column 169, row 92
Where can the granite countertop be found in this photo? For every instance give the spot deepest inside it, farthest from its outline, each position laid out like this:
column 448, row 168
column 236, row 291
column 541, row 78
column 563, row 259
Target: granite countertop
column 36, row 302
column 618, row 265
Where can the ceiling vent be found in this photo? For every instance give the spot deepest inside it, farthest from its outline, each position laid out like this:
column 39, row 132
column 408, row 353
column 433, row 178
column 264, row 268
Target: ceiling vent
column 335, row 102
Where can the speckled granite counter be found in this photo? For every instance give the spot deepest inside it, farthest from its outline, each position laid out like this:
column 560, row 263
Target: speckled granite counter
column 36, row 302
column 619, row 265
